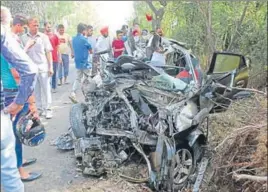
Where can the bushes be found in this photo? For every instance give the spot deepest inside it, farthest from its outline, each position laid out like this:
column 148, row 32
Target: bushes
column 239, row 137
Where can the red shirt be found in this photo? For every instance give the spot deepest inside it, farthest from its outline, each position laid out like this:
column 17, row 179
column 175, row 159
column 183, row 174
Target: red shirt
column 118, row 44
column 55, row 42
column 186, row 74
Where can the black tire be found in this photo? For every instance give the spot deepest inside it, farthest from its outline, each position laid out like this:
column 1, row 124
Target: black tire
column 77, row 121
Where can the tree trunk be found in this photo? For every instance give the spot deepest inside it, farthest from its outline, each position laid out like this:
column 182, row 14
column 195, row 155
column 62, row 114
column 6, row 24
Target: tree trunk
column 209, row 29
column 208, row 24
column 238, row 26
column 158, row 14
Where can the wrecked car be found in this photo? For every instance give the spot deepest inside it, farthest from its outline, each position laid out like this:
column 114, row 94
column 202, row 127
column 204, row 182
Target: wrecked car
column 149, row 111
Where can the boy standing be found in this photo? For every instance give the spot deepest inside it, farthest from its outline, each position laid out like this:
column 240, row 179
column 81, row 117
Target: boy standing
column 56, row 57
column 118, row 44
column 64, row 49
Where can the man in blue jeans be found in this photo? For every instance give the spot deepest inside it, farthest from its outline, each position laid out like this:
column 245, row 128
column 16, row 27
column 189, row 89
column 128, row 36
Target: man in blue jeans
column 14, row 54
column 56, row 57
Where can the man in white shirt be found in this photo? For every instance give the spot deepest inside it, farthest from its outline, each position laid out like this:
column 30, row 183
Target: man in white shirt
column 41, row 55
column 104, row 43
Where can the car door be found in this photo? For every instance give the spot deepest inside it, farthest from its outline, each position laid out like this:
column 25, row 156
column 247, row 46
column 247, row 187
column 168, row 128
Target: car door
column 230, row 70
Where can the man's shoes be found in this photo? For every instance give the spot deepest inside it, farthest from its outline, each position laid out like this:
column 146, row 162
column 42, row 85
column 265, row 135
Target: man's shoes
column 42, row 113
column 49, row 114
column 72, row 97
column 29, row 162
column 65, row 81
column 54, row 91
column 32, row 176
column 60, row 83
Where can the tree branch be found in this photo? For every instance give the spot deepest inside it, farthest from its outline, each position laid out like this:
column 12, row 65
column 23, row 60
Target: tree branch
column 163, row 3
column 238, row 26
column 158, row 13
column 152, row 7
column 245, row 89
column 239, row 132
column 238, row 177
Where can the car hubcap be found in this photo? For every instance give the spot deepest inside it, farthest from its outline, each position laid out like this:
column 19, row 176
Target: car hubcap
column 183, row 166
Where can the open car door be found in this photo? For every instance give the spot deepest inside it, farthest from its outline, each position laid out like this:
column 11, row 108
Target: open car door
column 230, row 70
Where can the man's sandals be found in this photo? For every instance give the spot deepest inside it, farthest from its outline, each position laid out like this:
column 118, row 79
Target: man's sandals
column 29, row 162
column 32, row 176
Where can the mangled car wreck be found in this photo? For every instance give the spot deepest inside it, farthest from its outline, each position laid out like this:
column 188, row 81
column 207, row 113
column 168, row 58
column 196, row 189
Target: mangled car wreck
column 147, row 110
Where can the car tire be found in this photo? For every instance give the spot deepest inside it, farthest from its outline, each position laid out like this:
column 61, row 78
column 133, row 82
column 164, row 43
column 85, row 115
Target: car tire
column 191, row 167
column 77, row 120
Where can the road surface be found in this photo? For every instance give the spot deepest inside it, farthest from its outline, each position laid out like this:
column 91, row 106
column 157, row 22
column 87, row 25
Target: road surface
column 58, row 168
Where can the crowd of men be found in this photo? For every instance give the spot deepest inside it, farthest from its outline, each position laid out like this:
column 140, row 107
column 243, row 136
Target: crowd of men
column 33, row 64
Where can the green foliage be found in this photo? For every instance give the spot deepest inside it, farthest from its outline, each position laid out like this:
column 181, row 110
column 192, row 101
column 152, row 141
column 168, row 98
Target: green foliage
column 56, row 10
column 69, row 13
column 189, row 21
column 19, row 7
column 141, row 8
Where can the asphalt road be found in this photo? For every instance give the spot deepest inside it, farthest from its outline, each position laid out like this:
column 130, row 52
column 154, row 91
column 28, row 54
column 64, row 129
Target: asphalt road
column 58, row 168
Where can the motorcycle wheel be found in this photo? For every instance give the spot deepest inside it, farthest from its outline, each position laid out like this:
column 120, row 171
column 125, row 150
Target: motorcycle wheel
column 77, row 120
column 184, row 165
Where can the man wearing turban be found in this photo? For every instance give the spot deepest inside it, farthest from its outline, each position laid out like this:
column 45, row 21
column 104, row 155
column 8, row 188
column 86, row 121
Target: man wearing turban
column 104, row 43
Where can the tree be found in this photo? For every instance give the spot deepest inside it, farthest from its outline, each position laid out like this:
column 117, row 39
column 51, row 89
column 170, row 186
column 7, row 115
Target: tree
column 238, row 26
column 158, row 13
column 235, row 26
column 19, row 7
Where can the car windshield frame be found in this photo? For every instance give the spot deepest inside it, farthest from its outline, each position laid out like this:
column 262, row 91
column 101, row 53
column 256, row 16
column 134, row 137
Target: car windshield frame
column 187, row 56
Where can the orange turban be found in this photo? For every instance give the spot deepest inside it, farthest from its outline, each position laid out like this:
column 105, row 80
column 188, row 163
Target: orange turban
column 104, row 30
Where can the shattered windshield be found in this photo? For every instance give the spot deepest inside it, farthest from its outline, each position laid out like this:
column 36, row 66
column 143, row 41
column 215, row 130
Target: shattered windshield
column 167, row 82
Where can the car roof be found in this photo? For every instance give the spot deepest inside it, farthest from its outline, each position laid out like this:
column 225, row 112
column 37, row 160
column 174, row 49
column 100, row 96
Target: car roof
column 182, row 44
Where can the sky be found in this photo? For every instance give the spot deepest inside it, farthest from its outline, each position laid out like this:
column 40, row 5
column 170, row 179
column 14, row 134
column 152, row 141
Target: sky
column 113, row 13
